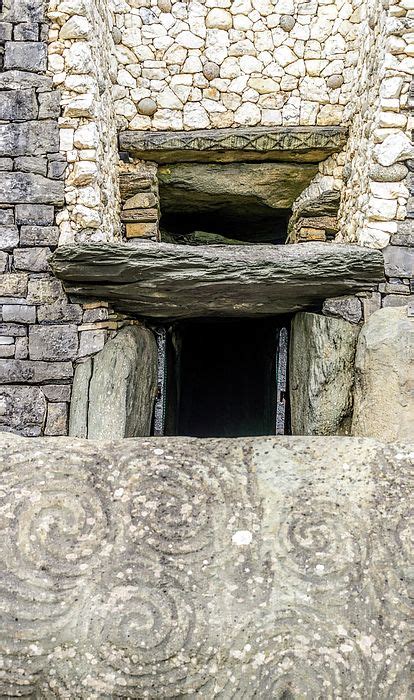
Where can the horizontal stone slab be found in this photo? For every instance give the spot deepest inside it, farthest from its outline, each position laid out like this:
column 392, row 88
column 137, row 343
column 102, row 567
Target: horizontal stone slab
column 307, row 144
column 253, row 568
column 166, row 281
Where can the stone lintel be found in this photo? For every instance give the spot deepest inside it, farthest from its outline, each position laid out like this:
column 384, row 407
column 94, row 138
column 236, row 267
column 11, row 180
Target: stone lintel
column 309, row 144
column 167, row 281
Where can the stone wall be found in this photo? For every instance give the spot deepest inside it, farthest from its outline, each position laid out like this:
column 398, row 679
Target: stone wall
column 243, row 63
column 42, row 334
column 82, row 63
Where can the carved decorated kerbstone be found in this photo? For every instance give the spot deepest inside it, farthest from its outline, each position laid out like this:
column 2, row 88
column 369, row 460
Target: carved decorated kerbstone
column 309, row 144
column 160, row 568
column 161, row 280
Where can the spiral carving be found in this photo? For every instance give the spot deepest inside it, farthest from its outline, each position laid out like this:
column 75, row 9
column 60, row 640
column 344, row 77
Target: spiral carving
column 322, row 551
column 173, row 568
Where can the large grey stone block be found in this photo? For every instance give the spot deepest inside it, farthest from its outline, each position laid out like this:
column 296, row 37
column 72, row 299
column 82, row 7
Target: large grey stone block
column 32, row 259
column 25, row 188
column 20, row 79
column 119, row 389
column 31, row 164
column 39, row 236
column 54, row 342
column 22, row 408
column 9, row 237
column 32, row 138
column 321, row 369
column 35, row 214
column 23, row 10
column 267, row 568
column 29, row 372
column 6, row 216
column 399, row 261
column 18, row 104
column 28, row 56
column 159, row 280
column 19, row 313
column 384, row 397
column 13, row 284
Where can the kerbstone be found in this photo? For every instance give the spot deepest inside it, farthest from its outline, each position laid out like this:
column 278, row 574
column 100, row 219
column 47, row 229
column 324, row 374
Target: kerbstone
column 384, row 401
column 228, row 565
column 322, row 375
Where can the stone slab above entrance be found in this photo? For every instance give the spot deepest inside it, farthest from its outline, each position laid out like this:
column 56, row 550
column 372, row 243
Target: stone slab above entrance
column 167, row 281
column 310, row 144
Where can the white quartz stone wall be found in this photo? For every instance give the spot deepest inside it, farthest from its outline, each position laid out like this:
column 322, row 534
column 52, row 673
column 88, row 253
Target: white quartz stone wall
column 375, row 196
column 193, row 65
column 83, row 65
column 173, row 65
column 370, row 172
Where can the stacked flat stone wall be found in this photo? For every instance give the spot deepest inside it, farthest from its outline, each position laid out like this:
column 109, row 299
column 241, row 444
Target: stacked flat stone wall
column 42, row 334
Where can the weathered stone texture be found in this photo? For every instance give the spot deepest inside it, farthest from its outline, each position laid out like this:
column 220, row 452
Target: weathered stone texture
column 116, row 393
column 26, row 188
column 321, row 374
column 252, row 568
column 174, row 281
column 384, row 396
column 25, row 55
column 32, row 138
column 53, row 342
column 22, row 409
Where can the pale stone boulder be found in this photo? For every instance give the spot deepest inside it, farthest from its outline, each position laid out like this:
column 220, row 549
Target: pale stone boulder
column 261, row 568
column 114, row 393
column 384, row 389
column 322, row 374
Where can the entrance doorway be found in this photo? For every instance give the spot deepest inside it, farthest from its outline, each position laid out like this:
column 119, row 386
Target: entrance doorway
column 223, row 378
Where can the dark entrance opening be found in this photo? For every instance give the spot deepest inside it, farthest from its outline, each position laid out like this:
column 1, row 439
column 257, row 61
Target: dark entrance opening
column 225, row 378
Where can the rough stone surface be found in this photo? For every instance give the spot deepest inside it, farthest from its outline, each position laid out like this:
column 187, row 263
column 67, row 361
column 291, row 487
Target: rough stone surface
column 26, row 188
column 348, row 308
column 234, row 187
column 172, row 281
column 384, row 400
column 22, row 409
column 253, row 568
column 321, row 370
column 119, row 388
column 53, row 342
column 297, row 144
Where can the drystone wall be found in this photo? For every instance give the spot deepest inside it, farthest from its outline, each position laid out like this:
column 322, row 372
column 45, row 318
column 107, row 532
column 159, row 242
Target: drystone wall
column 42, row 334
column 198, row 65
column 252, row 568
